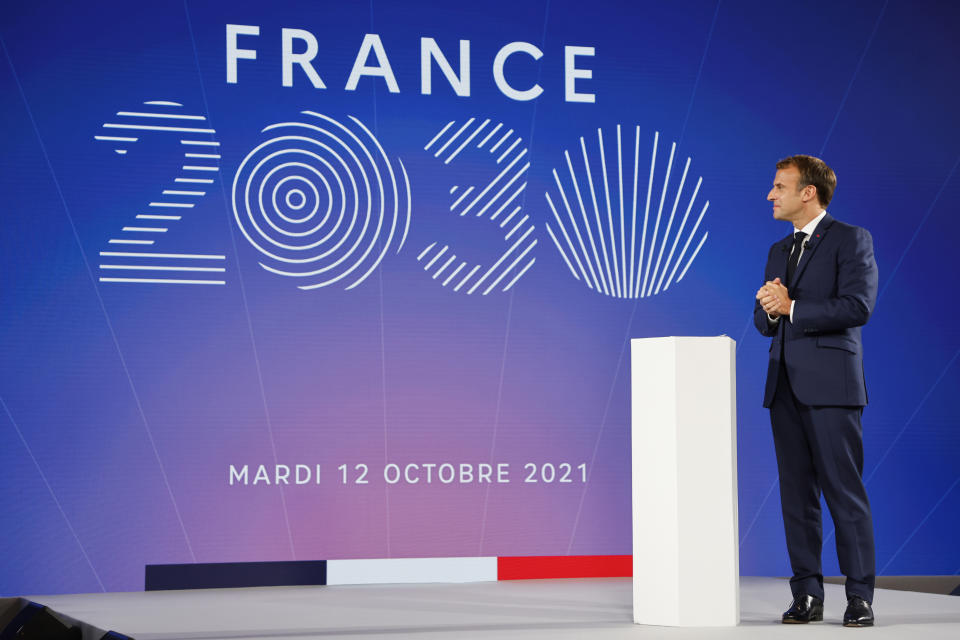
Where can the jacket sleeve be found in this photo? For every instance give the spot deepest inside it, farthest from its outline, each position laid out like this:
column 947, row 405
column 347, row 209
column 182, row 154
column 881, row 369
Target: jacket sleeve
column 856, row 292
column 760, row 319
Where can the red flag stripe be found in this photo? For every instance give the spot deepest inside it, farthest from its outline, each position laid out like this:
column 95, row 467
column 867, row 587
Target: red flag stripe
column 536, row 567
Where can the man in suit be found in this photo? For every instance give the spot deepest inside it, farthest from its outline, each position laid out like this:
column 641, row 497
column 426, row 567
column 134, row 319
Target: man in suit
column 821, row 286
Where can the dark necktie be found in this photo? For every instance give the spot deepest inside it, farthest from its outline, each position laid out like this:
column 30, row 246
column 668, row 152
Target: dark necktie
column 794, row 258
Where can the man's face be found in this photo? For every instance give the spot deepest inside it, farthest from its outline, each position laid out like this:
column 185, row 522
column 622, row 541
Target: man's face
column 787, row 199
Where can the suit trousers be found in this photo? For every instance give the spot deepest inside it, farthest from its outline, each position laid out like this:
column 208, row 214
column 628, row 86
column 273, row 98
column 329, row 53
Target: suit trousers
column 821, row 449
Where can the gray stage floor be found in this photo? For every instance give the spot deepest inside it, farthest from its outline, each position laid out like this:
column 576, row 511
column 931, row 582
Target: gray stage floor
column 531, row 609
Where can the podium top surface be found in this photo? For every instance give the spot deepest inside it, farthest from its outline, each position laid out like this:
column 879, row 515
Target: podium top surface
column 725, row 338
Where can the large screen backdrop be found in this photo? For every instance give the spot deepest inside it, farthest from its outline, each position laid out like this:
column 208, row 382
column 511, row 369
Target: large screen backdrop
column 291, row 281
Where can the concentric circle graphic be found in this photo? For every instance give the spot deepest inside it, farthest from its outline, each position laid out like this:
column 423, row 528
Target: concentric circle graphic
column 321, row 201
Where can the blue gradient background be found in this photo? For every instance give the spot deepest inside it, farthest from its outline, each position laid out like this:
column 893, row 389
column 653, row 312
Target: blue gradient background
column 107, row 390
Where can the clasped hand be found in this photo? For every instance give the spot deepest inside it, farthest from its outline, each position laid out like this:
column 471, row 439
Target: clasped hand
column 774, row 299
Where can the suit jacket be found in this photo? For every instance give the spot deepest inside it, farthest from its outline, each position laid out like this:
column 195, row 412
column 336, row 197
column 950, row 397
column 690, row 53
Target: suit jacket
column 835, row 289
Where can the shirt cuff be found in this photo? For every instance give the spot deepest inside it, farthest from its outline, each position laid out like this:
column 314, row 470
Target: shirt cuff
column 772, row 320
column 792, row 304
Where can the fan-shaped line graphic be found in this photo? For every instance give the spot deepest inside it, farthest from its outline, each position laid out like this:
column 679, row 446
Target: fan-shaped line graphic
column 494, row 198
column 172, row 199
column 592, row 237
column 280, row 186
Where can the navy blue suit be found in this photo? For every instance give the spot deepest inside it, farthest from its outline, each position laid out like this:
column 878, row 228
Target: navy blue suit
column 816, row 393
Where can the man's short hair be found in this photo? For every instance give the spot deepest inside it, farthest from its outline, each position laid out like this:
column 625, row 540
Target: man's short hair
column 813, row 171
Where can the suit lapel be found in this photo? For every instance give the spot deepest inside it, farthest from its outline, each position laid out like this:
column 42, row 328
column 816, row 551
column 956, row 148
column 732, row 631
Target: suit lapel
column 811, row 247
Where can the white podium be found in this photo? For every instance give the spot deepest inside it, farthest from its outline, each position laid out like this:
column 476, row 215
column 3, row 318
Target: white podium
column 686, row 569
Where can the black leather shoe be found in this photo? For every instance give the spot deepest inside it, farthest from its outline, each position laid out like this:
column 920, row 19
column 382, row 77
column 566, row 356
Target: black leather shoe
column 805, row 608
column 859, row 613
